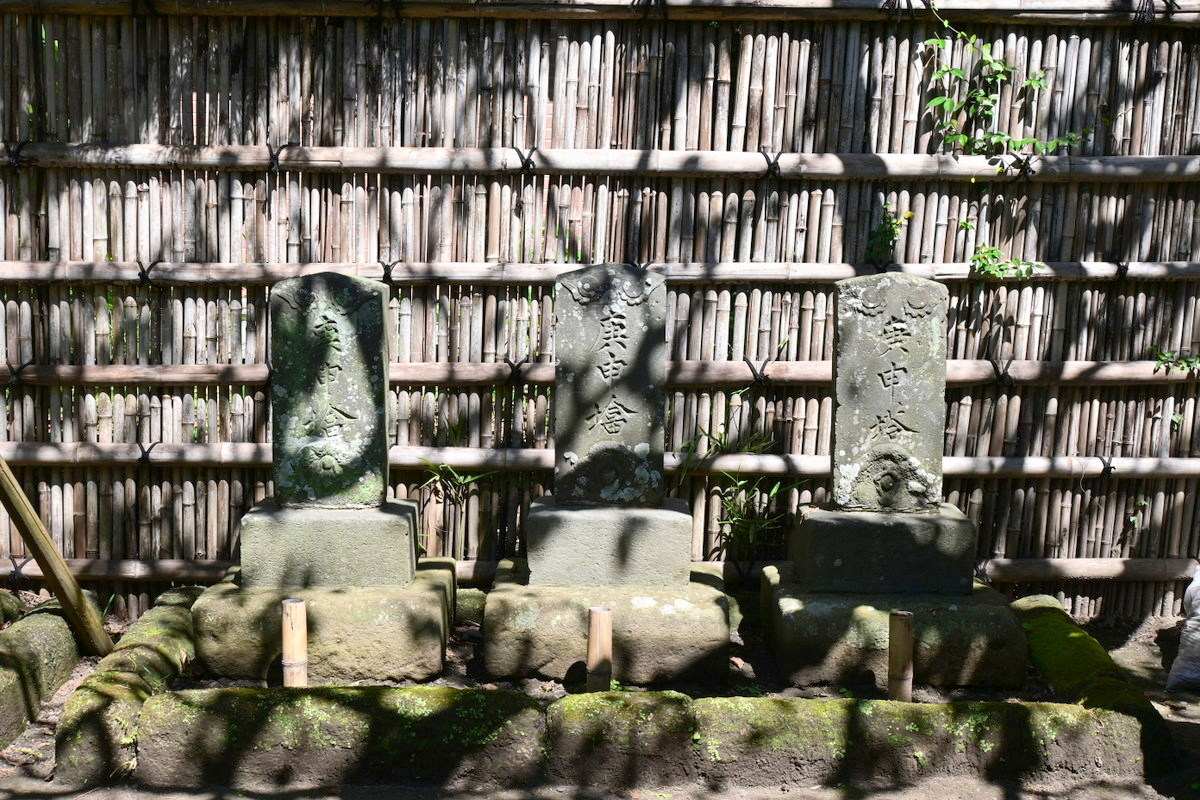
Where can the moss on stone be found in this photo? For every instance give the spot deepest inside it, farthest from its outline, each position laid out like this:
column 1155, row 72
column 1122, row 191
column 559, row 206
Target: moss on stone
column 875, row 740
column 469, row 605
column 10, row 607
column 420, row 732
column 625, row 715
column 97, row 733
column 37, row 654
column 1080, row 670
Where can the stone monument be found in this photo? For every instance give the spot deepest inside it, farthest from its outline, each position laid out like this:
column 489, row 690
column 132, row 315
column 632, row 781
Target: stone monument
column 608, row 536
column 328, row 534
column 887, row 541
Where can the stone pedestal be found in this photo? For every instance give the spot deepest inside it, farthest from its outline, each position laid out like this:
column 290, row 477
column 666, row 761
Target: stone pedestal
column 378, row 633
column 841, row 638
column 659, row 632
column 598, row 546
column 314, row 547
column 872, row 551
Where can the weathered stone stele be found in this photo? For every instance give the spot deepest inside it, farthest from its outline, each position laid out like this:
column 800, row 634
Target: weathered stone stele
column 329, row 385
column 609, row 401
column 889, row 388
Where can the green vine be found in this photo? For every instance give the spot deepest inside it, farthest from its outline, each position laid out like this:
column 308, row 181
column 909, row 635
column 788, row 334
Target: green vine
column 881, row 240
column 990, row 262
column 966, row 117
column 971, row 98
column 1172, row 359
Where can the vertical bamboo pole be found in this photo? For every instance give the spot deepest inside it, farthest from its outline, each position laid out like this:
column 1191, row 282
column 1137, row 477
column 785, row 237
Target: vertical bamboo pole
column 599, row 651
column 900, row 656
column 295, row 643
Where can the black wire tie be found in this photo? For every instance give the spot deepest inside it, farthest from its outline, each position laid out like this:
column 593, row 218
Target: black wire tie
column 14, row 376
column 144, row 272
column 17, row 575
column 514, row 369
column 273, row 165
column 526, row 159
column 772, row 163
column 1002, row 376
column 15, row 160
column 144, row 458
column 387, row 271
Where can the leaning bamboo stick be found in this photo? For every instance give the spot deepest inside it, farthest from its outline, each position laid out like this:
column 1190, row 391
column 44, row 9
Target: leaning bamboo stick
column 80, row 612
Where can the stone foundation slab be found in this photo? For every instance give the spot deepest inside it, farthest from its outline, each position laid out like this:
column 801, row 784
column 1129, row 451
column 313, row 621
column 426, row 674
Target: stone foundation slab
column 379, row 633
column 873, row 552
column 588, row 546
column 659, row 633
column 819, row 638
column 310, row 547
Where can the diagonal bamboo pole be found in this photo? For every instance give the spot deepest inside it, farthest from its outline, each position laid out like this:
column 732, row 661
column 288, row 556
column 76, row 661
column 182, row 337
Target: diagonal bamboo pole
column 83, row 617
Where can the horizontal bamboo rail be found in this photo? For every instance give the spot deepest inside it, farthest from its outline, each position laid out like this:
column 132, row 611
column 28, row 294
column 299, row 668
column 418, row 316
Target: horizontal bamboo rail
column 481, row 573
column 680, row 374
column 244, row 454
column 1035, row 570
column 1184, row 12
column 645, row 163
column 163, row 273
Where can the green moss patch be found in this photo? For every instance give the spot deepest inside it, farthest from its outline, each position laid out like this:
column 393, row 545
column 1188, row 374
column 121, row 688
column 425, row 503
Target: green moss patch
column 258, row 738
column 10, row 607
column 97, row 733
column 302, row 738
column 37, row 654
column 1081, row 671
column 879, row 743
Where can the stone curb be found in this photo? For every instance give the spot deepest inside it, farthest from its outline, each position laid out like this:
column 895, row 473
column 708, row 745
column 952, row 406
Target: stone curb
column 304, row 738
column 1081, row 671
column 96, row 735
column 37, row 654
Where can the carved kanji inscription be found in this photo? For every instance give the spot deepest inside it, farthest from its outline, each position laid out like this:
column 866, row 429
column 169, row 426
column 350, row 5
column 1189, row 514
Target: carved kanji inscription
column 889, row 393
column 610, row 343
column 329, row 391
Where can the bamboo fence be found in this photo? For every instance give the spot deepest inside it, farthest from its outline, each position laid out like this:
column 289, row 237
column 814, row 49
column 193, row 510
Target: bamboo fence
column 163, row 164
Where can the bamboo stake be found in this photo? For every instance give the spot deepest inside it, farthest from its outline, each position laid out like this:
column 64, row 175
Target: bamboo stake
column 295, row 643
column 900, row 656
column 599, row 649
column 84, row 618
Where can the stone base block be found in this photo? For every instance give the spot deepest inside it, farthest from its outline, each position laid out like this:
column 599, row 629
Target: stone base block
column 381, row 633
column 872, row 552
column 587, row 546
column 972, row 640
column 659, row 633
column 302, row 547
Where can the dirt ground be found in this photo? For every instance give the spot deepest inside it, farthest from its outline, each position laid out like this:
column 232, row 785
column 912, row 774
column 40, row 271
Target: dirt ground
column 27, row 765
